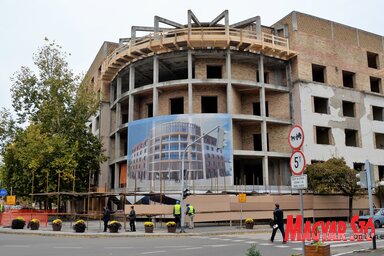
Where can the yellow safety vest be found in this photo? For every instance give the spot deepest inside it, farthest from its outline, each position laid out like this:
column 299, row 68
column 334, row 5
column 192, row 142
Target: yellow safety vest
column 191, row 210
column 177, row 209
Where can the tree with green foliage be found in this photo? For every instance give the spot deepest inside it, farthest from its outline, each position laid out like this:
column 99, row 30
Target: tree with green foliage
column 333, row 176
column 52, row 146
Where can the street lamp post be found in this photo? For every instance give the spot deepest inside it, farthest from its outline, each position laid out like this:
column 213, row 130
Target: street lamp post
column 182, row 175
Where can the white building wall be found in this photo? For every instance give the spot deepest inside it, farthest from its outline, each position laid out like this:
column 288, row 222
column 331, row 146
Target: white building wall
column 304, row 92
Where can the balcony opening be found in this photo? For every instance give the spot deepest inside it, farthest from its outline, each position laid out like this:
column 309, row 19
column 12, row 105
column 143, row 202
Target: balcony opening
column 214, row 71
column 266, row 77
column 375, row 84
column 150, row 110
column 373, row 59
column 208, row 104
column 377, row 113
column 379, row 140
column 177, row 106
column 350, row 138
column 349, row 109
column 257, row 110
column 323, row 135
column 321, row 105
column 318, row 73
column 348, row 79
column 248, row 171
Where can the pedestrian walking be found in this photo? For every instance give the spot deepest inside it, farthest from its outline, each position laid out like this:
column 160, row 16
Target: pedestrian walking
column 177, row 213
column 190, row 212
column 132, row 219
column 278, row 221
column 106, row 217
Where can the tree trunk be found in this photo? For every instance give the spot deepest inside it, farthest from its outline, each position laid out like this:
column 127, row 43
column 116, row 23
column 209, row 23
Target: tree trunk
column 350, row 204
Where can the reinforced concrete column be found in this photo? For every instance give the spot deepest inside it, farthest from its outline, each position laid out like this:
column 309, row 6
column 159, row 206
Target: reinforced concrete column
column 190, row 90
column 155, row 82
column 264, row 129
column 229, row 83
column 131, row 100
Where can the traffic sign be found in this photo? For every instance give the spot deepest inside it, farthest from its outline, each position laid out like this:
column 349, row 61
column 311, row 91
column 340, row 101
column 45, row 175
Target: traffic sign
column 296, row 137
column 299, row 182
column 297, row 162
column 3, row 192
column 242, row 198
column 10, row 200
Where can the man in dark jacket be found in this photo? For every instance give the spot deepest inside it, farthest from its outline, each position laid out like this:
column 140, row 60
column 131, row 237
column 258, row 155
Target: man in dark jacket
column 132, row 219
column 278, row 220
column 106, row 218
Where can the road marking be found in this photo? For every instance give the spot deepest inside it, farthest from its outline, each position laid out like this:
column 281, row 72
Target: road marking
column 67, row 247
column 251, row 242
column 220, row 245
column 237, row 241
column 193, row 248
column 171, row 246
column 281, row 246
column 153, row 252
column 115, row 247
column 297, row 249
column 16, row 246
column 265, row 244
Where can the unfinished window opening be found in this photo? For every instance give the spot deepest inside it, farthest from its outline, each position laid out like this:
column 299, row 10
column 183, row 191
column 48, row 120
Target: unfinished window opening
column 318, row 73
column 375, row 84
column 112, row 176
column 257, row 110
column 348, row 108
column 377, row 113
column 379, row 140
column 97, row 123
column 381, row 172
column 321, row 105
column 373, row 60
column 214, row 71
column 350, row 138
column 208, row 104
column 358, row 166
column 248, row 171
column 177, row 106
column 323, row 135
column 150, row 110
column 257, row 142
column 348, row 79
column 266, row 77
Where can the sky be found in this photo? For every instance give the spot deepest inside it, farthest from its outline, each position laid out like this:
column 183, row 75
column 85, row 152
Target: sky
column 81, row 26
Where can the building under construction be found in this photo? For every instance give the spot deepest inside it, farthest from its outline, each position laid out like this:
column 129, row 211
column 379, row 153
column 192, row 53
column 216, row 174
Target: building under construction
column 162, row 90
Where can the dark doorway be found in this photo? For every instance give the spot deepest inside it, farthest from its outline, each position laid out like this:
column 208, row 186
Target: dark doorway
column 257, row 142
column 257, row 110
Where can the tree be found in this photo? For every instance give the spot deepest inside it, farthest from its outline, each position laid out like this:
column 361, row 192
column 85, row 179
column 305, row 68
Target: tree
column 333, row 176
column 55, row 144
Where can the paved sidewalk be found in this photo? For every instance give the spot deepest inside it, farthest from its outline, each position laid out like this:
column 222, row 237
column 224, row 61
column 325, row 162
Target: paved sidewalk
column 95, row 229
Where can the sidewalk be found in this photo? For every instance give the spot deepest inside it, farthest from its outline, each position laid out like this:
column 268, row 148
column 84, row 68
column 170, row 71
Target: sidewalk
column 95, row 229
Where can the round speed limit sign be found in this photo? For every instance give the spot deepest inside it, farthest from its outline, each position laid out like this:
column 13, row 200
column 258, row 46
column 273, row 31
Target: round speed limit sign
column 297, row 163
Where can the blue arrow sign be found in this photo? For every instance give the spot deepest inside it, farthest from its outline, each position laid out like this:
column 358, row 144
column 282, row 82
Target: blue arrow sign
column 3, row 192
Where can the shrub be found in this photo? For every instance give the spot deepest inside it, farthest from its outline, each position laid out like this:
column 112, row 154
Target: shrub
column 34, row 221
column 252, row 251
column 79, row 226
column 171, row 224
column 57, row 222
column 148, row 224
column 18, row 223
column 249, row 220
column 114, row 224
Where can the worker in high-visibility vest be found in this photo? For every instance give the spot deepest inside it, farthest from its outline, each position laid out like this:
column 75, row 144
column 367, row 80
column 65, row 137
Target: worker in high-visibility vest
column 190, row 212
column 177, row 213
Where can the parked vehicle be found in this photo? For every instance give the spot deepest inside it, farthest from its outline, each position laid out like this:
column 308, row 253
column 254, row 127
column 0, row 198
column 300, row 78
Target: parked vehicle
column 378, row 218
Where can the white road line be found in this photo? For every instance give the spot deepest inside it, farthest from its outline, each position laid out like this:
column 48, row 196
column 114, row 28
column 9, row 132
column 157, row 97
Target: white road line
column 115, row 247
column 193, row 248
column 251, row 242
column 153, row 252
column 220, row 245
column 281, row 246
column 16, row 246
column 67, row 247
column 237, row 241
column 171, row 246
column 265, row 244
column 297, row 249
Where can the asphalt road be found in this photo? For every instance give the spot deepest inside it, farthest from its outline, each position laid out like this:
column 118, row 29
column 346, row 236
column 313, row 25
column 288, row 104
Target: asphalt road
column 223, row 245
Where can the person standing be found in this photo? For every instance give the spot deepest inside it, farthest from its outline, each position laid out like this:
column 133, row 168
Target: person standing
column 132, row 219
column 190, row 212
column 278, row 220
column 106, row 217
column 177, row 213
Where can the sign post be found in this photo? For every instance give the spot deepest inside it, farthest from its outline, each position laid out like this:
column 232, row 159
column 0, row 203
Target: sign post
column 297, row 165
column 242, row 199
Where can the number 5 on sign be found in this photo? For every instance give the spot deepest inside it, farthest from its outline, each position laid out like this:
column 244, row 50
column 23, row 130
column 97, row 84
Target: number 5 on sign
column 297, row 163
